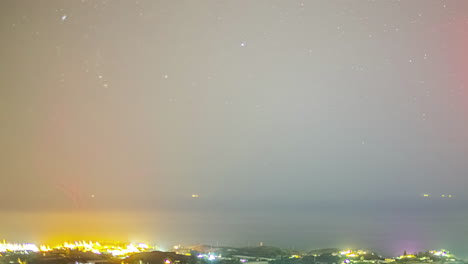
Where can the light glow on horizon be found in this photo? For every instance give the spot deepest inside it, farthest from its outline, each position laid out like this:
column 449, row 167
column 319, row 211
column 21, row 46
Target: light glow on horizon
column 83, row 246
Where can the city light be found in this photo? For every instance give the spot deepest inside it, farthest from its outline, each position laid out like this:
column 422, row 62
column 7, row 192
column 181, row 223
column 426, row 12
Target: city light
column 115, row 250
column 7, row 247
column 122, row 251
column 352, row 253
column 440, row 253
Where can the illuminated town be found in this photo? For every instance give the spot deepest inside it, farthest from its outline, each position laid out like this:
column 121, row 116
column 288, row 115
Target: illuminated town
column 82, row 246
column 89, row 252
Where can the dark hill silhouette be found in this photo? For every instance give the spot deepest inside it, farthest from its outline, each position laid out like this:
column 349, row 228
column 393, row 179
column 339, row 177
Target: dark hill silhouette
column 157, row 257
column 263, row 251
column 324, row 251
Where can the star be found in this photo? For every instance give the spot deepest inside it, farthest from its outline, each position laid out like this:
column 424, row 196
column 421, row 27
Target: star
column 242, row 44
column 64, row 17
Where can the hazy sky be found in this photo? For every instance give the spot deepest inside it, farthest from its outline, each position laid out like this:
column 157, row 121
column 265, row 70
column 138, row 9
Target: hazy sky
column 283, row 116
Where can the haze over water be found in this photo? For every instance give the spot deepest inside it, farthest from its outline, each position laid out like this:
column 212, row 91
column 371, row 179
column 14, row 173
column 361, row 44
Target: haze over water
column 387, row 227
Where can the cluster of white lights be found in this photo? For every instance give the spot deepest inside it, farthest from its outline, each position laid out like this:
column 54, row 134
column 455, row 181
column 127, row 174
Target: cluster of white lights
column 441, row 253
column 83, row 246
column 208, row 256
column 7, row 247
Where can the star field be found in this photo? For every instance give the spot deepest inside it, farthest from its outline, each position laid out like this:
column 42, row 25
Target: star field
column 258, row 107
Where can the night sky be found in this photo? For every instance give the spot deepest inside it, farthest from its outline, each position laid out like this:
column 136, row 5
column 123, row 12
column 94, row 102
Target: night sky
column 304, row 124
